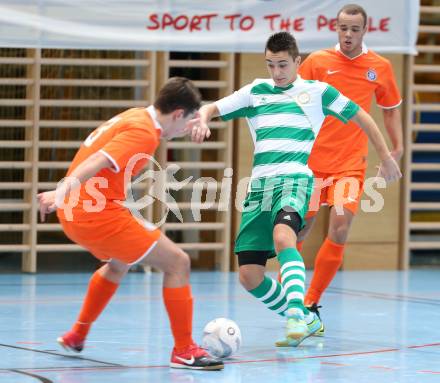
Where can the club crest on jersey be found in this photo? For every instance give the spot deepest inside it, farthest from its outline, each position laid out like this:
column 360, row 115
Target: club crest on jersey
column 371, row 75
column 303, row 98
column 262, row 100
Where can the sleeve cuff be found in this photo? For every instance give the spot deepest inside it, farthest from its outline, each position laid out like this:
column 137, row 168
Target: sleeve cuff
column 219, row 108
column 390, row 107
column 115, row 168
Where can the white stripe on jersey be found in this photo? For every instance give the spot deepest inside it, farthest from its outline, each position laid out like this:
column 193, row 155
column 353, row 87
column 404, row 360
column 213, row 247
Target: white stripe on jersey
column 338, row 105
column 283, row 146
column 277, row 169
column 280, row 119
column 262, row 99
column 237, row 100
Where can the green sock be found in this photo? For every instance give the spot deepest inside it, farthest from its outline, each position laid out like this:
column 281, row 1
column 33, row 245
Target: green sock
column 293, row 278
column 271, row 294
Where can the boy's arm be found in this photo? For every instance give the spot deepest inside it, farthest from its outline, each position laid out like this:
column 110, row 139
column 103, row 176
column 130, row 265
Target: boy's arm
column 389, row 169
column 233, row 106
column 393, row 125
column 86, row 170
column 200, row 130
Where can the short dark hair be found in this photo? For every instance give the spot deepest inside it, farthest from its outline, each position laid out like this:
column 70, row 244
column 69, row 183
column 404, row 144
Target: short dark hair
column 178, row 93
column 282, row 41
column 353, row 9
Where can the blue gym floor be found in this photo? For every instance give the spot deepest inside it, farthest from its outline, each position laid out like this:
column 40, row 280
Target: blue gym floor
column 381, row 327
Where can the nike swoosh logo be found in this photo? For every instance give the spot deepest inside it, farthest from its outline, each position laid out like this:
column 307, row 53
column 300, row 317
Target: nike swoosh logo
column 332, row 71
column 187, row 361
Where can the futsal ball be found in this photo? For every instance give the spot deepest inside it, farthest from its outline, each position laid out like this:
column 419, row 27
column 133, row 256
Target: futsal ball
column 221, row 337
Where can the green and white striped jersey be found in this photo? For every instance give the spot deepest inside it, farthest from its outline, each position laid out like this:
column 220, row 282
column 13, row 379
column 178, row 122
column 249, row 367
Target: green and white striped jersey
column 284, row 122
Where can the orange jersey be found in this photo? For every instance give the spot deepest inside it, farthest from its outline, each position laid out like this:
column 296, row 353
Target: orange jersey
column 340, row 147
column 120, row 139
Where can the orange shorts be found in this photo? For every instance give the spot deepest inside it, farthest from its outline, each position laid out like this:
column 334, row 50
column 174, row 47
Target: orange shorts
column 120, row 237
column 341, row 190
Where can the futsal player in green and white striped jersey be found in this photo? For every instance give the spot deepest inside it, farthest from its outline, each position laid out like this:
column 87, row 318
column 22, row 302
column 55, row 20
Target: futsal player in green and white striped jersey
column 284, row 114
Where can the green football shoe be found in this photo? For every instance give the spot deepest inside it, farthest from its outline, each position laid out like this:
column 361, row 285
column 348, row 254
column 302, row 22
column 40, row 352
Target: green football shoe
column 298, row 330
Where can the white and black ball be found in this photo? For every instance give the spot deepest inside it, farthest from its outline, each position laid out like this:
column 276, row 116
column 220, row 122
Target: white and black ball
column 221, row 337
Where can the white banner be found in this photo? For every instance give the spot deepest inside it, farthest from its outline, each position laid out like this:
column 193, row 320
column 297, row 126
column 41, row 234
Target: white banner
column 205, row 25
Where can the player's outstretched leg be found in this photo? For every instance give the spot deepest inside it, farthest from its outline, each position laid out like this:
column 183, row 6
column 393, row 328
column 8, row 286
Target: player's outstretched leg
column 265, row 289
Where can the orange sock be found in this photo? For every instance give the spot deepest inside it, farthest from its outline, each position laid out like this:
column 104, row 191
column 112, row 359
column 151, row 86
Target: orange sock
column 179, row 304
column 98, row 295
column 299, row 246
column 327, row 263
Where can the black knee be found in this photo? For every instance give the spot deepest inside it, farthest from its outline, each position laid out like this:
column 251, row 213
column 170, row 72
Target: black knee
column 289, row 218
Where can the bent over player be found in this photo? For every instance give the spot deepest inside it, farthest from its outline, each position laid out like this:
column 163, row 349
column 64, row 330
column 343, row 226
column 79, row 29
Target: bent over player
column 113, row 235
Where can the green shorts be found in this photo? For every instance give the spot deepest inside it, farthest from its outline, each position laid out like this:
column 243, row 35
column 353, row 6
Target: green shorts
column 261, row 207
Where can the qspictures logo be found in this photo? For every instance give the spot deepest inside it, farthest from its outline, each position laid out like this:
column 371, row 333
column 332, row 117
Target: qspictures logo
column 207, row 193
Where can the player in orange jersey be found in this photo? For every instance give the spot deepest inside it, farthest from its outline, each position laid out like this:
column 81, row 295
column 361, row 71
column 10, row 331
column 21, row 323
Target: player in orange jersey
column 99, row 172
column 341, row 151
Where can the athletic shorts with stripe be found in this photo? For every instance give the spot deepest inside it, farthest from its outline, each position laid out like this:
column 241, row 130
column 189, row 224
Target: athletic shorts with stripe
column 260, row 209
column 342, row 189
column 121, row 237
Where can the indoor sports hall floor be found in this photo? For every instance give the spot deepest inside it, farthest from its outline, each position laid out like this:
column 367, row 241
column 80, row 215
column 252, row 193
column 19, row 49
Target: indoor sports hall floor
column 381, row 327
